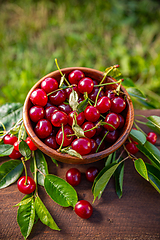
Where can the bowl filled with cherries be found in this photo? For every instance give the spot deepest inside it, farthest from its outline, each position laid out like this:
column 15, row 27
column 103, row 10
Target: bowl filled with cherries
column 78, row 115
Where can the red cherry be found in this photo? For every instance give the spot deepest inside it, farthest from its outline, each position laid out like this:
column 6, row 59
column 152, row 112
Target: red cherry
column 86, row 126
column 85, row 85
column 110, row 93
column 79, row 118
column 43, row 128
column 121, row 119
column 98, row 142
column 67, row 139
column 152, row 137
column 118, row 104
column 82, row 146
column 16, row 145
column 15, row 154
column 111, row 137
column 92, row 114
column 49, row 85
column 73, row 176
column 39, row 97
column 75, row 76
column 131, row 147
column 99, row 129
column 26, row 188
column 51, row 142
column 93, row 146
column 94, row 93
column 58, row 118
column 113, row 119
column 30, row 144
column 10, row 139
column 65, row 108
column 49, row 111
column 69, row 90
column 103, row 104
column 58, row 97
column 83, row 209
column 91, row 173
column 36, row 113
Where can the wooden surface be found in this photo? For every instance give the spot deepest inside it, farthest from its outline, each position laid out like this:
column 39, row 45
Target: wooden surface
column 136, row 216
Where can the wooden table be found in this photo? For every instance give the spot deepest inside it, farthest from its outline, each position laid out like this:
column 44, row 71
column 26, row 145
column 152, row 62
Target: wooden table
column 135, row 216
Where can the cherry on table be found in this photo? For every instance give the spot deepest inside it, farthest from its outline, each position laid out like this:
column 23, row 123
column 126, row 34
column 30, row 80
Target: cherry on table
column 91, row 173
column 82, row 146
column 26, row 188
column 92, row 114
column 31, row 144
column 118, row 104
column 16, row 145
column 39, row 97
column 112, row 119
column 43, row 128
column 75, row 76
column 152, row 137
column 10, row 139
column 131, row 148
column 58, row 118
column 83, row 209
column 85, row 85
column 36, row 113
column 15, row 154
column 49, row 85
column 73, row 176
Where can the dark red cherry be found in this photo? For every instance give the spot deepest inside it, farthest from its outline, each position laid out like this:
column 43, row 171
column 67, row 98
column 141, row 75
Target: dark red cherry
column 65, row 108
column 75, row 76
column 73, row 176
column 103, row 104
column 39, row 97
column 118, row 104
column 85, row 85
column 99, row 128
column 92, row 114
column 69, row 90
column 43, row 128
column 131, row 147
column 91, row 173
column 94, row 93
column 100, row 143
column 79, row 118
column 86, row 127
column 152, row 137
column 121, row 119
column 58, row 97
column 83, row 209
column 49, row 111
column 15, row 154
column 51, row 142
column 111, row 137
column 36, row 113
column 49, row 85
column 113, row 120
column 110, row 93
column 58, row 118
column 82, row 146
column 93, row 146
column 67, row 139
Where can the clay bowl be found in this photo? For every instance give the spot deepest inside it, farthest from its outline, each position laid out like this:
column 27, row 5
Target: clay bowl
column 94, row 74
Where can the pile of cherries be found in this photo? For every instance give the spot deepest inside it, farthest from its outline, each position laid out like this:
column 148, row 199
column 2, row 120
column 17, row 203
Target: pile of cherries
column 101, row 120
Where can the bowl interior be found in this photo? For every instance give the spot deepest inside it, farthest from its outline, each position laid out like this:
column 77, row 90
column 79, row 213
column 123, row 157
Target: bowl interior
column 96, row 75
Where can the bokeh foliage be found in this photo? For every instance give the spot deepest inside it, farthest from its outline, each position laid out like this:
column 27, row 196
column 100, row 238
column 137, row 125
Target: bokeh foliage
column 93, row 34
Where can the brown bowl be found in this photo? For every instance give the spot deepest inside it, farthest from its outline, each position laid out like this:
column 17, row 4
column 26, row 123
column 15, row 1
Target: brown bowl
column 94, row 74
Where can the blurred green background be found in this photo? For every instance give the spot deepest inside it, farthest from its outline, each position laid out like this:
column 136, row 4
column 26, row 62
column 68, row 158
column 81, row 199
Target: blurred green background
column 95, row 34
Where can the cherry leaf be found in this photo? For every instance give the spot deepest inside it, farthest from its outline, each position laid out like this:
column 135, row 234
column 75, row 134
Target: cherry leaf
column 79, row 132
column 141, row 168
column 138, row 136
column 73, row 100
column 24, row 149
column 71, row 152
column 154, row 176
column 82, row 105
column 6, row 150
column 154, row 122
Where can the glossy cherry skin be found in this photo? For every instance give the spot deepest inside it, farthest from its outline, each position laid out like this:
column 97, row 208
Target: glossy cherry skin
column 15, row 154
column 69, row 90
column 111, row 137
column 113, row 119
column 67, row 139
column 94, row 93
column 75, row 76
column 86, row 126
column 36, row 113
column 51, row 142
column 58, row 118
column 93, row 146
column 16, row 145
column 82, row 146
column 39, row 97
column 92, row 114
column 118, row 104
column 49, row 85
column 79, row 118
column 131, row 148
column 58, row 97
column 10, row 139
column 99, row 128
column 83, row 209
column 65, row 108
column 110, row 93
column 30, row 144
column 100, row 142
column 43, row 128
column 121, row 119
column 103, row 104
column 152, row 137
column 73, row 176
column 91, row 173
column 49, row 111
column 26, row 188
column 85, row 85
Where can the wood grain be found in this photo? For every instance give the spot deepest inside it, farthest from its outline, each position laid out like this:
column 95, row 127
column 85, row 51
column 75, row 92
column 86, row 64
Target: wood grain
column 136, row 216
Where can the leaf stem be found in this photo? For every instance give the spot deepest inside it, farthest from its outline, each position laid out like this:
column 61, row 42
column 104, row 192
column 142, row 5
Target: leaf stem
column 25, row 170
column 61, row 72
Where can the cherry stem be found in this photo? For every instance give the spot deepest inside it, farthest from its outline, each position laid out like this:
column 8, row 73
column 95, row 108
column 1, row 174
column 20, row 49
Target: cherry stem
column 16, row 125
column 101, row 141
column 25, row 170
column 109, row 70
column 62, row 138
column 110, row 83
column 98, row 96
column 61, row 72
column 35, row 168
column 59, row 89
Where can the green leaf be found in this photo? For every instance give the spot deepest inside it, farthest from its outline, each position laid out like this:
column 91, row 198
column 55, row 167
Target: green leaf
column 10, row 171
column 141, row 168
column 55, row 162
column 79, row 132
column 127, row 82
column 109, row 159
column 10, row 114
column 73, row 100
column 41, row 165
column 23, row 202
column 24, row 149
column 5, row 150
column 82, row 105
column 153, row 127
column 146, row 104
column 135, row 92
column 71, row 152
column 26, row 217
column 103, row 178
column 152, row 152
column 154, row 176
column 115, row 73
column 119, row 173
column 138, row 136
column 60, row 191
column 44, row 215
column 155, row 120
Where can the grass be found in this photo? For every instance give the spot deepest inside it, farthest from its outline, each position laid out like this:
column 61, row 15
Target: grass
column 78, row 33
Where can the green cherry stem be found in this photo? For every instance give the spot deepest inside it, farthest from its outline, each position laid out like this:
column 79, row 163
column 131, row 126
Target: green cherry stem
column 35, row 168
column 110, row 83
column 101, row 141
column 100, row 89
column 61, row 72
column 25, row 170
column 62, row 138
